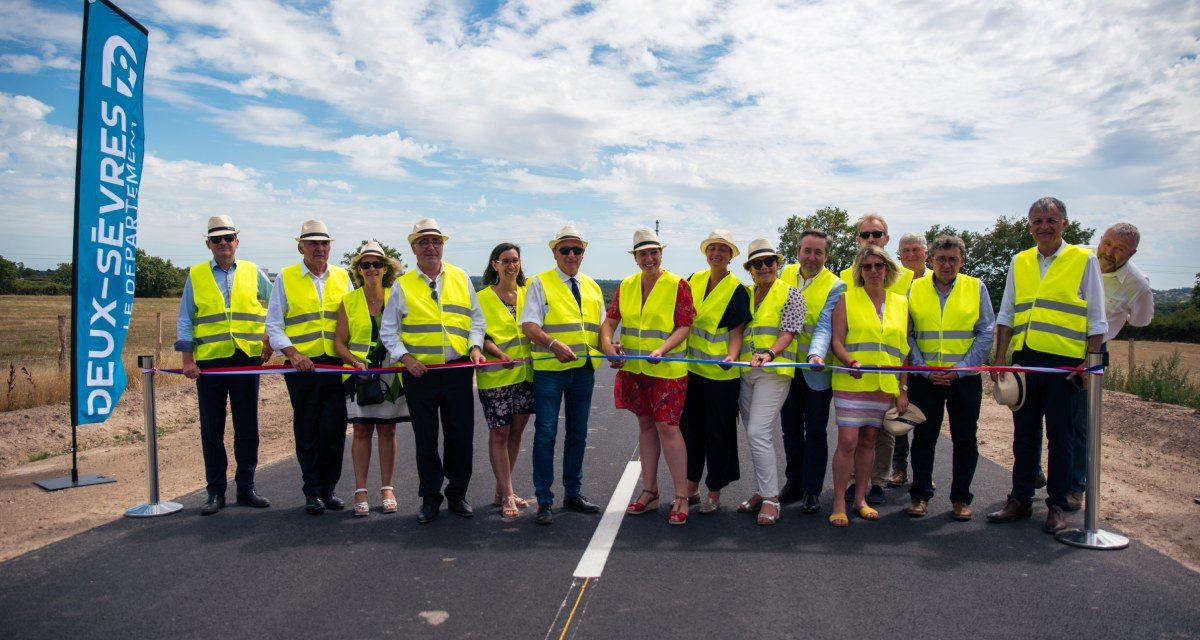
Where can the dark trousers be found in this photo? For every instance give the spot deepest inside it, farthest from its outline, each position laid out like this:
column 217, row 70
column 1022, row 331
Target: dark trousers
column 961, row 400
column 805, row 415
column 709, row 426
column 900, row 454
column 1079, row 436
column 242, row 394
column 319, row 424
column 1050, row 397
column 442, row 396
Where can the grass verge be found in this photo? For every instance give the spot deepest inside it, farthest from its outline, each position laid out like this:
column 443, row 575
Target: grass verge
column 1165, row 380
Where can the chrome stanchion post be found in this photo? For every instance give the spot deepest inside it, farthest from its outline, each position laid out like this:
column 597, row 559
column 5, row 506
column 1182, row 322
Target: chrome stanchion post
column 153, row 507
column 1092, row 537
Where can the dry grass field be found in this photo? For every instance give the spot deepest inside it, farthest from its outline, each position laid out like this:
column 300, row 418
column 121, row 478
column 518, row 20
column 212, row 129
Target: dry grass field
column 29, row 346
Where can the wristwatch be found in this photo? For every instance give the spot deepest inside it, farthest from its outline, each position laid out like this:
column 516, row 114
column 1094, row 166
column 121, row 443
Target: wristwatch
column 904, row 387
column 767, row 350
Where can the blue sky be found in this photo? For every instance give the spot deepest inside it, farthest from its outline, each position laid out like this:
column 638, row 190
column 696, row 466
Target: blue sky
column 506, row 120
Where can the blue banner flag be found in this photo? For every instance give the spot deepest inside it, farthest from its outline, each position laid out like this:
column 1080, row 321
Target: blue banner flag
column 108, row 179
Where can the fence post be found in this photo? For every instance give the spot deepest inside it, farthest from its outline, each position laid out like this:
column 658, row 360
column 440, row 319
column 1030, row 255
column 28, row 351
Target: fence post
column 1132, row 360
column 158, row 323
column 62, row 343
column 152, row 507
column 1091, row 537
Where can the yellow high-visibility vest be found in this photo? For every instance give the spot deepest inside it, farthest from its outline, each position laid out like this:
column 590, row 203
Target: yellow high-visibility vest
column 310, row 321
column 900, row 286
column 217, row 329
column 505, row 330
column 815, row 296
column 872, row 342
column 567, row 322
column 944, row 335
column 1049, row 314
column 763, row 329
column 706, row 340
column 645, row 327
column 432, row 323
column 358, row 321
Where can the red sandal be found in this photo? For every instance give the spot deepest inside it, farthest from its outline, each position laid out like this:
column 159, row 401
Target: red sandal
column 639, row 507
column 678, row 517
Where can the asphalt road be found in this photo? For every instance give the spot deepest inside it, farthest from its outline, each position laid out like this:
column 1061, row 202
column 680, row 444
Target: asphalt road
column 279, row 572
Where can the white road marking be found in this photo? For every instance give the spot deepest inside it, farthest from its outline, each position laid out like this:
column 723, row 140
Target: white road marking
column 596, row 555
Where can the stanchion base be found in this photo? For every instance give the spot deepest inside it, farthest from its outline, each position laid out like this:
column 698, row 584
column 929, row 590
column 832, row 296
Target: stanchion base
column 1098, row 539
column 65, row 482
column 147, row 510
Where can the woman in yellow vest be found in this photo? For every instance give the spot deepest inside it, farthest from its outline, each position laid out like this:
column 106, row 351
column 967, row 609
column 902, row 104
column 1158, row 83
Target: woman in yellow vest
column 356, row 340
column 654, row 308
column 870, row 327
column 778, row 316
column 709, row 421
column 505, row 390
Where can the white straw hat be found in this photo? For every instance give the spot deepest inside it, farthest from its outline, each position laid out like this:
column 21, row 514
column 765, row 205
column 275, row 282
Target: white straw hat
column 220, row 226
column 568, row 232
column 1009, row 390
column 721, row 236
column 372, row 247
column 899, row 424
column 644, row 238
column 426, row 227
column 759, row 248
column 313, row 230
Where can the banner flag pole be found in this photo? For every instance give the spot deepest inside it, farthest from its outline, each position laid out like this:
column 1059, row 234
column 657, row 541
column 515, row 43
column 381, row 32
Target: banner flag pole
column 109, row 155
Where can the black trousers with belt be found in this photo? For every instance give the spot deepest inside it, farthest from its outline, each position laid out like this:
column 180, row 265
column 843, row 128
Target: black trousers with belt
column 319, row 424
column 961, row 399
column 804, row 417
column 1052, row 397
column 442, row 396
column 242, row 395
column 709, row 426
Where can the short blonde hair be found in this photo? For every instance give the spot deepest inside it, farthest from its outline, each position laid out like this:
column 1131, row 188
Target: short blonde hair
column 889, row 278
column 868, row 217
column 394, row 270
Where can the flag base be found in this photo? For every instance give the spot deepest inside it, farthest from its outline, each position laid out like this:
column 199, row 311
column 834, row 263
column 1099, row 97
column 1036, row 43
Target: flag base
column 147, row 510
column 66, row 482
column 1099, row 539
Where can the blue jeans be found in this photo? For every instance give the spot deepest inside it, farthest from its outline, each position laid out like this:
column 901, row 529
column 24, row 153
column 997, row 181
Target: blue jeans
column 550, row 390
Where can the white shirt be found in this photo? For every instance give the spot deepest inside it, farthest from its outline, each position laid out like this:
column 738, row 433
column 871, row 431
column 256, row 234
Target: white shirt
column 278, row 306
column 535, row 300
column 1091, row 290
column 397, row 307
column 1127, row 298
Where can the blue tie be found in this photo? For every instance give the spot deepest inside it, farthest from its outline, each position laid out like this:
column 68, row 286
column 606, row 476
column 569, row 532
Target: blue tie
column 575, row 292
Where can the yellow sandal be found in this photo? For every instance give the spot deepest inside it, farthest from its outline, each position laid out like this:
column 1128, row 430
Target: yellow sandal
column 839, row 520
column 867, row 513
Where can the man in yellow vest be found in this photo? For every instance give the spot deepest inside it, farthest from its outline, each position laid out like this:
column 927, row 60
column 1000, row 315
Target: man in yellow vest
column 1051, row 315
column 433, row 317
column 220, row 324
column 872, row 230
column 951, row 326
column 301, row 321
column 913, row 252
column 805, row 413
column 562, row 315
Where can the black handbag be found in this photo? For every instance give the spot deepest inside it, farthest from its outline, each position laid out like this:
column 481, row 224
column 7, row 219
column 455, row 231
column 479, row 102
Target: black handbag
column 369, row 390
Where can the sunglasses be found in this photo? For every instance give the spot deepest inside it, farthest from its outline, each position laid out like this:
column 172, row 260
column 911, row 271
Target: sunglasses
column 870, row 234
column 371, row 265
column 764, row 262
column 566, row 251
column 873, row 266
column 231, row 238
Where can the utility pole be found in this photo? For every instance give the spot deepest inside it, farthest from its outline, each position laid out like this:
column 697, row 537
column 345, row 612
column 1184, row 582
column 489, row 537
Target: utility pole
column 656, row 227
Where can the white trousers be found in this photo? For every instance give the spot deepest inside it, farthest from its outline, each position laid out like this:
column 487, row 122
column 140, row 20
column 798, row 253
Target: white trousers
column 762, row 396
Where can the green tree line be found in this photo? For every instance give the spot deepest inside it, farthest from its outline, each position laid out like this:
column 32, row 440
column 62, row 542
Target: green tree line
column 156, row 278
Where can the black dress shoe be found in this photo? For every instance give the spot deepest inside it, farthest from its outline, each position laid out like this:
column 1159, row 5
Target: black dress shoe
column 790, row 493
column 580, row 504
column 212, row 505
column 429, row 512
column 250, row 498
column 812, row 504
column 460, row 507
column 876, row 496
column 545, row 515
column 314, row 506
column 332, row 502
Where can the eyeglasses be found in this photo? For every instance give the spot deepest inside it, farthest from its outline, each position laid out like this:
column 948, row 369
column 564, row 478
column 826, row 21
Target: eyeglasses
column 426, row 241
column 764, row 262
column 433, row 289
column 870, row 234
column 566, row 251
column 371, row 265
column 230, row 239
column 510, row 263
column 873, row 266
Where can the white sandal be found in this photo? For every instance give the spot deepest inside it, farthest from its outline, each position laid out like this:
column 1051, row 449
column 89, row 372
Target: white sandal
column 389, row 504
column 361, row 508
column 765, row 519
